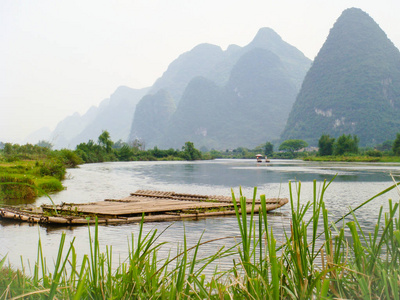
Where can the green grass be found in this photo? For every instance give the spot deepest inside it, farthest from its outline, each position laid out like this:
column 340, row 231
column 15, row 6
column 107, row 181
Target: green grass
column 315, row 260
column 358, row 158
column 22, row 181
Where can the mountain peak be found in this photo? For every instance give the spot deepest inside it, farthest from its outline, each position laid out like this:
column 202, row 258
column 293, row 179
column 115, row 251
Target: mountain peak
column 265, row 36
column 352, row 85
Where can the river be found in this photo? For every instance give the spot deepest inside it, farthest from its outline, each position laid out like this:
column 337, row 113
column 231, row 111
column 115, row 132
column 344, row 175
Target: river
column 354, row 184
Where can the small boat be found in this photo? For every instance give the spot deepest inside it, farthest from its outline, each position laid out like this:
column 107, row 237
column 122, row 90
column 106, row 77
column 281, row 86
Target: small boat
column 266, row 159
column 259, row 158
column 153, row 206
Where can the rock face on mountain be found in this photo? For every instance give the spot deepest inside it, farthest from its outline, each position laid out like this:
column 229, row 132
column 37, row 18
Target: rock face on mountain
column 114, row 115
column 151, row 117
column 251, row 108
column 353, row 86
column 238, row 97
column 197, row 62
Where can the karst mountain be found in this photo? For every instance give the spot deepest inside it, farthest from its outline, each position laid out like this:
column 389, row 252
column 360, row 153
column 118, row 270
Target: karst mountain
column 352, row 87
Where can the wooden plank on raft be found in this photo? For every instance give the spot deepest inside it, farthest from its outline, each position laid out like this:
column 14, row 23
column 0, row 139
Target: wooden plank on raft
column 130, row 208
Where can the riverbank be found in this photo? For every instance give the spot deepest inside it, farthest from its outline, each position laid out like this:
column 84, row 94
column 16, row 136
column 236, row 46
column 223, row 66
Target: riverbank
column 23, row 181
column 362, row 158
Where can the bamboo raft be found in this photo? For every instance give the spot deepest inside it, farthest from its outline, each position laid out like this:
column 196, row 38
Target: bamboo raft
column 152, row 205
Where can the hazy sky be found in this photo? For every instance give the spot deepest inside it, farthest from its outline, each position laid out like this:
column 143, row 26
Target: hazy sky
column 60, row 57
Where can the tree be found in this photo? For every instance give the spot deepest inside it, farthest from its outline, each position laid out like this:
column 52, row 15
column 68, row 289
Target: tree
column 325, row 145
column 292, row 145
column 105, row 140
column 268, row 148
column 44, row 144
column 396, row 145
column 385, row 146
column 189, row 152
column 346, row 144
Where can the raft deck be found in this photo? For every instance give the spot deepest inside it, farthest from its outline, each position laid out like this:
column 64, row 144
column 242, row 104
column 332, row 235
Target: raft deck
column 154, row 205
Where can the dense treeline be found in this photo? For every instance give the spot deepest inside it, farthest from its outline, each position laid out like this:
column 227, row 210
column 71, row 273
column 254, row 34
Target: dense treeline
column 106, row 150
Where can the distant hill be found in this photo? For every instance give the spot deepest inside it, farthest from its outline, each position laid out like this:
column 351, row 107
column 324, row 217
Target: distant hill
column 241, row 96
column 249, row 110
column 42, row 134
column 151, row 117
column 211, row 62
column 233, row 80
column 197, row 62
column 114, row 114
column 352, row 87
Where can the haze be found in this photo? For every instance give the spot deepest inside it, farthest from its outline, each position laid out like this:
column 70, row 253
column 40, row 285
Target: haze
column 61, row 57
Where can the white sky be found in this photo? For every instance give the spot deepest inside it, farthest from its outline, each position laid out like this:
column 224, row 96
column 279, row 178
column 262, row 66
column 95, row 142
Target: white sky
column 60, row 57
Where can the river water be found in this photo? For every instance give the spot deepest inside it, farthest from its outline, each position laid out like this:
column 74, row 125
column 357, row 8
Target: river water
column 354, row 184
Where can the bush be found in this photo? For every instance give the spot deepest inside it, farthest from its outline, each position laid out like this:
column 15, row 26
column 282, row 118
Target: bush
column 70, row 158
column 374, row 153
column 52, row 167
column 49, row 184
column 22, row 190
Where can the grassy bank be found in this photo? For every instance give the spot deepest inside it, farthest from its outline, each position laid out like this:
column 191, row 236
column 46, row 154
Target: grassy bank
column 28, row 172
column 314, row 261
column 353, row 158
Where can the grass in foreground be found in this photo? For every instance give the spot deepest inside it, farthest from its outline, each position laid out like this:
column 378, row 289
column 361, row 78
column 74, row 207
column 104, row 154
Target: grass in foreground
column 315, row 260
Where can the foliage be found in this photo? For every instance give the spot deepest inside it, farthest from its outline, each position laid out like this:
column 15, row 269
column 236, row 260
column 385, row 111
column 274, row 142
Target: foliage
column 189, row 152
column 385, row 146
column 396, row 145
column 374, row 153
column 314, row 259
column 29, row 171
column 15, row 152
column 17, row 188
column 105, row 141
column 44, row 144
column 325, row 145
column 346, row 144
column 268, row 149
column 292, row 145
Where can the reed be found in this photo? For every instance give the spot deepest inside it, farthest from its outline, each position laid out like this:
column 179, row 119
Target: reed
column 317, row 259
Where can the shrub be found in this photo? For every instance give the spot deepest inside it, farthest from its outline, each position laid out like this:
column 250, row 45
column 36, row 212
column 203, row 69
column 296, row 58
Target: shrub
column 17, row 187
column 374, row 153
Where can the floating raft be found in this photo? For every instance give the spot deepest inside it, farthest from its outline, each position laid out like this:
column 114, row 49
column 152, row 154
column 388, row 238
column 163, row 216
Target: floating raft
column 154, row 205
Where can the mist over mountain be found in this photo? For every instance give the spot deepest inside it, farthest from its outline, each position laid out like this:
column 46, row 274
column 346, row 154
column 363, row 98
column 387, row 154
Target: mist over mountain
column 352, row 87
column 114, row 114
column 151, row 117
column 257, row 83
column 202, row 96
column 251, row 108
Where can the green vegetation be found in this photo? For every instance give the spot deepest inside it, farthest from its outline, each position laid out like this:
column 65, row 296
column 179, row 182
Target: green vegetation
column 29, row 171
column 292, row 145
column 396, row 145
column 325, row 145
column 314, row 260
column 345, row 148
column 346, row 144
column 268, row 149
column 107, row 150
column 352, row 86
